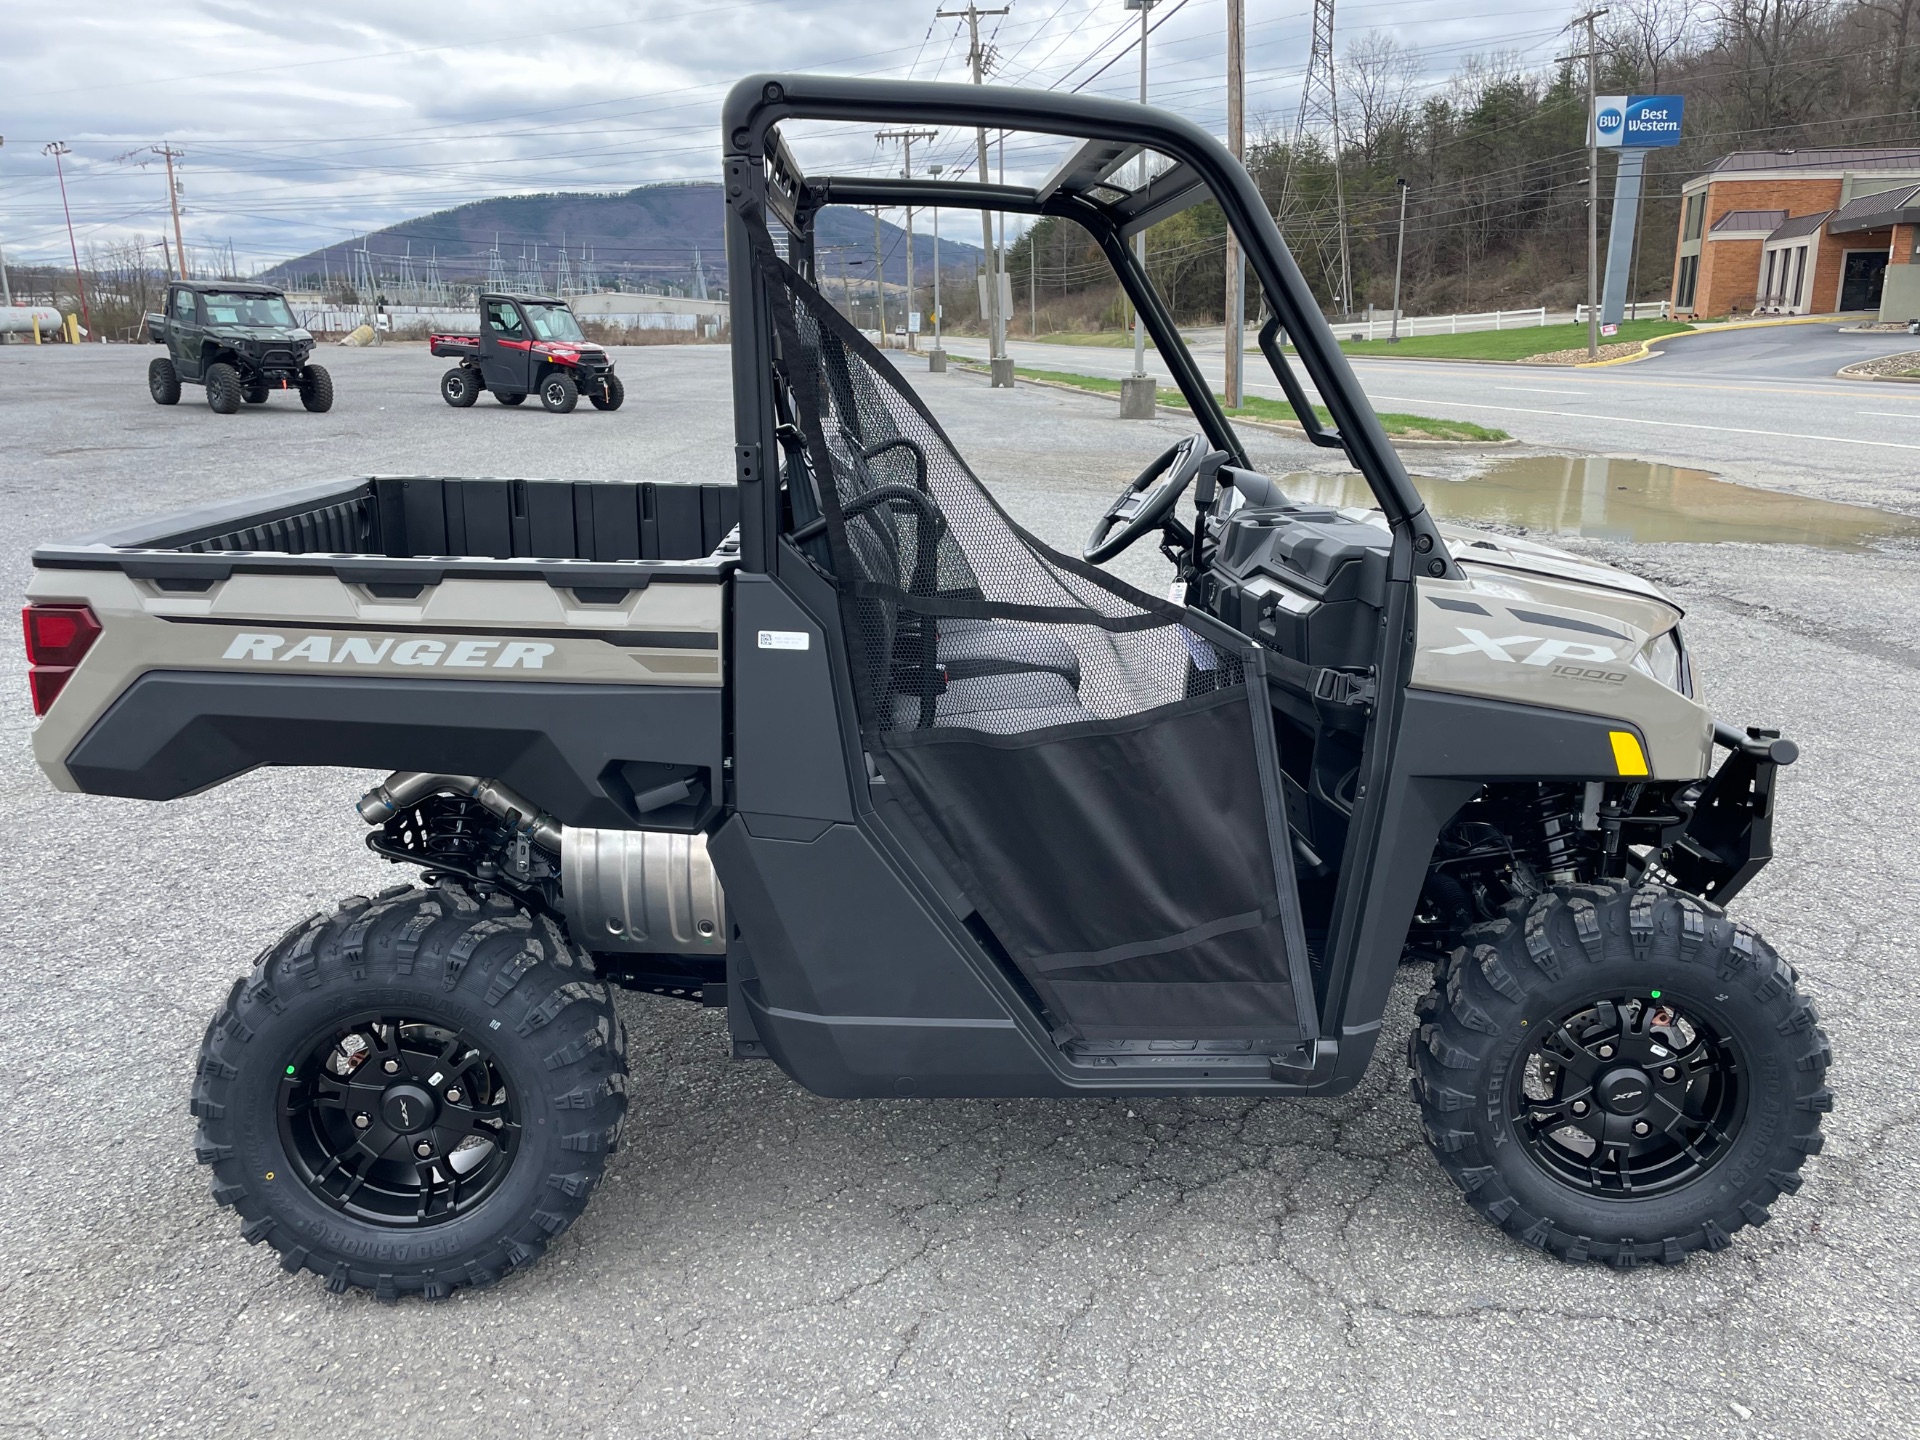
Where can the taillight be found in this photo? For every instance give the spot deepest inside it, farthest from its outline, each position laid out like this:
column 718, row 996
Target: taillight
column 58, row 638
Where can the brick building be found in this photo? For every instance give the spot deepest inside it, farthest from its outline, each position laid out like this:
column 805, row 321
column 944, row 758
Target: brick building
column 1801, row 232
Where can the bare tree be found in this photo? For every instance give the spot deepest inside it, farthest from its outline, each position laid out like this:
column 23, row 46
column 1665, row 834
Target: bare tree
column 1646, row 35
column 1377, row 75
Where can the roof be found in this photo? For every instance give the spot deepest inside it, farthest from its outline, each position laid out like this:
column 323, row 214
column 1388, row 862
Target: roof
column 229, row 287
column 524, row 299
column 1835, row 158
column 1800, row 225
column 1898, row 206
column 1748, row 220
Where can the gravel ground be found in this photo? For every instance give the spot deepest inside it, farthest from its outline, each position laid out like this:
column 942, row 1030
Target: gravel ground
column 763, row 1262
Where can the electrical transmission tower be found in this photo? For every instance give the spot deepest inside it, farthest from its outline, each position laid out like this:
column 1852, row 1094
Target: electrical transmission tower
column 1320, row 111
column 496, row 267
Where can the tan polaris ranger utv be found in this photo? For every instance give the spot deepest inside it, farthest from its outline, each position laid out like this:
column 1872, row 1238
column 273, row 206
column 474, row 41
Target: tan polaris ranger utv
column 932, row 809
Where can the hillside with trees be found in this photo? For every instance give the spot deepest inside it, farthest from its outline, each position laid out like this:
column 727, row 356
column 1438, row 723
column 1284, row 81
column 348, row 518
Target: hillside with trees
column 1496, row 160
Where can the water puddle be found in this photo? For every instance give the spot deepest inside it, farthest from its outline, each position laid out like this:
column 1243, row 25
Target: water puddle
column 1628, row 500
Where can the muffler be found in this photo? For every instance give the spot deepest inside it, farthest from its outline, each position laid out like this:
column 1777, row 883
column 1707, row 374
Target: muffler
column 630, row 891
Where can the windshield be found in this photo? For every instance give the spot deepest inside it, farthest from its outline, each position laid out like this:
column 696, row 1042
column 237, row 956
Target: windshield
column 257, row 310
column 553, row 322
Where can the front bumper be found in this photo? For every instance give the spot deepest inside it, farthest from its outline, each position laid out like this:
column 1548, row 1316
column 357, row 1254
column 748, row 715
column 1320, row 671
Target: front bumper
column 1728, row 837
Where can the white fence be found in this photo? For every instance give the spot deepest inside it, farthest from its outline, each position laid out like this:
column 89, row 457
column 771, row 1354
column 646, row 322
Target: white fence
column 1378, row 324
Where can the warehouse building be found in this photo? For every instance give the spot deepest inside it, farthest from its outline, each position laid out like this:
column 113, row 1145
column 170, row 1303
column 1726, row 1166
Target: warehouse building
column 1801, row 232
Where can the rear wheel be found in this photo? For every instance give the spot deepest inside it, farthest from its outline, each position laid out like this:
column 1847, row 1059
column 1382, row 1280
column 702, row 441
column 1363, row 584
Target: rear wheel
column 316, row 389
column 608, row 394
column 223, row 388
column 459, row 387
column 254, row 392
column 512, row 397
column 163, row 382
column 1619, row 1074
column 412, row 1094
column 558, row 393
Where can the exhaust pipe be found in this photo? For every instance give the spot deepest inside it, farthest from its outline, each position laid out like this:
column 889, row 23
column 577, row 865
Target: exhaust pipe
column 630, row 891
column 408, row 787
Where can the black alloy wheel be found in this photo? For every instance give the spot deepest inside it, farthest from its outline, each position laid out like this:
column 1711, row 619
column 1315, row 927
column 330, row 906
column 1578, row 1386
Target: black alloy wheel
column 398, row 1120
column 1630, row 1096
column 1619, row 1073
column 163, row 382
column 224, row 392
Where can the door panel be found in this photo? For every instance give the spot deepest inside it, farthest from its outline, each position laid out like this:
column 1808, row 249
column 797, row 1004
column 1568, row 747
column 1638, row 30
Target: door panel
column 505, row 346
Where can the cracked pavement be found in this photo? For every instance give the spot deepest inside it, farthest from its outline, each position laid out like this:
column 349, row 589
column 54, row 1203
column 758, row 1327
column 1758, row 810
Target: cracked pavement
column 764, row 1262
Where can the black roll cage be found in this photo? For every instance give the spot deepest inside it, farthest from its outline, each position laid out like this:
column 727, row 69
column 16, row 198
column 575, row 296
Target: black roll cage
column 764, row 184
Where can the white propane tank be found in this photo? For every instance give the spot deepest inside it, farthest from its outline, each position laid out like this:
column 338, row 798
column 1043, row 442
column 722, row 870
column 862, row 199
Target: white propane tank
column 18, row 320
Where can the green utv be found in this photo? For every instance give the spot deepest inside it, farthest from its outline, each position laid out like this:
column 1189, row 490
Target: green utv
column 929, row 808
column 239, row 340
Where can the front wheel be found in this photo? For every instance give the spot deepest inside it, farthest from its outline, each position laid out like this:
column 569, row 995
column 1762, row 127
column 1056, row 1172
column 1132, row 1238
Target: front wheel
column 316, row 390
column 608, row 394
column 459, row 387
column 163, row 382
column 413, row 1093
column 559, row 394
column 1619, row 1074
column 223, row 388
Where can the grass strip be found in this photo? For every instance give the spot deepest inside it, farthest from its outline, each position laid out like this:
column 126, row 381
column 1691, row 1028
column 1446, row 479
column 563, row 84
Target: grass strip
column 1417, row 427
column 1520, row 344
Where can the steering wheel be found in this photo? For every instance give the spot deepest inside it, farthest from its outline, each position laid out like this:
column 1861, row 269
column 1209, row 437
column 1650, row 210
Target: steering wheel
column 1147, row 501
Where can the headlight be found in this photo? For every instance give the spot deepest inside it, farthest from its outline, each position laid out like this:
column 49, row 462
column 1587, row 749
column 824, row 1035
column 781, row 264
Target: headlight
column 1665, row 659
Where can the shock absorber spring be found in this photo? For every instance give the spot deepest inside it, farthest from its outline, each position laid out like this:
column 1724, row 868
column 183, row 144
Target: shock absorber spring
column 1557, row 810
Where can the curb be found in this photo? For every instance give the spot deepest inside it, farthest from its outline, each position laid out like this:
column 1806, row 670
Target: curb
column 1278, row 427
column 1647, row 347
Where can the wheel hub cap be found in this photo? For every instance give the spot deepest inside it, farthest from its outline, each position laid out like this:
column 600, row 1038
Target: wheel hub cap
column 407, row 1109
column 1625, row 1091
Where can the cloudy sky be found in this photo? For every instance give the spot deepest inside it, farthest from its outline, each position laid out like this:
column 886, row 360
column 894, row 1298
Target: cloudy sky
column 308, row 125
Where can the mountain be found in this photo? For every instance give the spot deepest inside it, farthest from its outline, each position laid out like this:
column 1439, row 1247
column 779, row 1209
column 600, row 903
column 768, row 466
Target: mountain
column 645, row 236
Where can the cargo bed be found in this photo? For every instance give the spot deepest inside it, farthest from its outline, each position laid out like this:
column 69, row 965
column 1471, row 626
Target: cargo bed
column 567, row 638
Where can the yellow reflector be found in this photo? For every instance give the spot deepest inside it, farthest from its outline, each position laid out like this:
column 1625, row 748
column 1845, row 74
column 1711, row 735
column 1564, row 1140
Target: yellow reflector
column 1628, row 757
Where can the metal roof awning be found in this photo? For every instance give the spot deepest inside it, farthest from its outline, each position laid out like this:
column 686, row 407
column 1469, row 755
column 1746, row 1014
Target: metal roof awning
column 1877, row 212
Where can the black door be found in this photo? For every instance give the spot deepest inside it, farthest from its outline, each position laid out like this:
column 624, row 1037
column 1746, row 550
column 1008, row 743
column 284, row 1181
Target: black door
column 1860, row 283
column 506, row 347
column 184, row 334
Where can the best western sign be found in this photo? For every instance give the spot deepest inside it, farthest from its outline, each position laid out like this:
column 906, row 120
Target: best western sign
column 1637, row 122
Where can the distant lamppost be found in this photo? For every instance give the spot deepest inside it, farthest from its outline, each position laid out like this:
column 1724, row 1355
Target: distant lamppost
column 1399, row 254
column 1136, row 392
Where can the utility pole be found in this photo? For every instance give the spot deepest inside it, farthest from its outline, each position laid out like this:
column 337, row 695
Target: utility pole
column 879, row 283
column 906, row 139
column 937, row 357
column 169, row 154
column 58, row 148
column 1591, row 56
column 998, row 363
column 1136, row 391
column 1399, row 258
column 1234, row 314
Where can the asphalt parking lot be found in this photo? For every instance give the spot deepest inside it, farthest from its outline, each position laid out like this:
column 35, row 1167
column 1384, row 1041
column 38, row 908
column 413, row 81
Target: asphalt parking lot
column 763, row 1262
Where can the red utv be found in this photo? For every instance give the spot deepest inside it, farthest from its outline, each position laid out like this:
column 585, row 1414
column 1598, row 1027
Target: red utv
column 527, row 345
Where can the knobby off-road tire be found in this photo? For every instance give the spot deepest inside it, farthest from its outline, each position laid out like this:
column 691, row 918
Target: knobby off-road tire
column 1570, row 1017
column 163, row 382
column 459, row 387
column 316, row 389
column 425, row 1022
column 512, row 397
column 224, row 392
column 609, row 394
column 559, row 394
column 254, row 394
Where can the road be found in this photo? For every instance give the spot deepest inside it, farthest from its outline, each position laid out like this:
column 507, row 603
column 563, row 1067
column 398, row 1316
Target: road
column 762, row 1262
column 1760, row 406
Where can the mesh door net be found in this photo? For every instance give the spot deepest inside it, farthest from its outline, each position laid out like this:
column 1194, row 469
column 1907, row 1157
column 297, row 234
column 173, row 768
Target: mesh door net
column 1085, row 763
